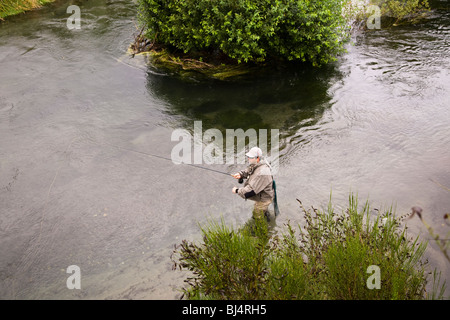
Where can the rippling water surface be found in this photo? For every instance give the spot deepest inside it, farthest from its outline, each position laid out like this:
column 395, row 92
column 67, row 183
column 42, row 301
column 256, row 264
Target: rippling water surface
column 72, row 105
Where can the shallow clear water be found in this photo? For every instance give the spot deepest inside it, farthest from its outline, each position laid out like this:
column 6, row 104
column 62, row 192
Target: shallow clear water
column 72, row 105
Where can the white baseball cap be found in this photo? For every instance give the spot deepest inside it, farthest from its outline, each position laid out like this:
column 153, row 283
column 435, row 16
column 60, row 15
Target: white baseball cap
column 254, row 152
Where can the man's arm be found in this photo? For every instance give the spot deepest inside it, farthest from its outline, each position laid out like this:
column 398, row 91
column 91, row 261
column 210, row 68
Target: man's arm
column 246, row 192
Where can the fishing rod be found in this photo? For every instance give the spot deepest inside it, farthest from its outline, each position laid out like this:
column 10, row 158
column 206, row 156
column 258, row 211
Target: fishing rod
column 168, row 159
column 240, row 180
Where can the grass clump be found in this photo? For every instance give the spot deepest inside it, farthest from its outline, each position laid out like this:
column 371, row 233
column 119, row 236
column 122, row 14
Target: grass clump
column 390, row 12
column 328, row 257
column 12, row 7
column 227, row 264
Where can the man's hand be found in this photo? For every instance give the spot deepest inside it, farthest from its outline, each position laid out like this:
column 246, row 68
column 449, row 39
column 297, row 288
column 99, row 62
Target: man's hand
column 234, row 189
column 236, row 175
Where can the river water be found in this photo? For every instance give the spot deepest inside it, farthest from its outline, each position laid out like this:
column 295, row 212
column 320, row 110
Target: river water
column 73, row 105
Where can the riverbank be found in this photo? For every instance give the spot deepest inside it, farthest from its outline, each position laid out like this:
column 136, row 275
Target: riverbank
column 214, row 65
column 13, row 7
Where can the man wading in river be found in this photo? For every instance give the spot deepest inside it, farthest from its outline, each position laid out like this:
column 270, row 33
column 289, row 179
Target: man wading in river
column 258, row 186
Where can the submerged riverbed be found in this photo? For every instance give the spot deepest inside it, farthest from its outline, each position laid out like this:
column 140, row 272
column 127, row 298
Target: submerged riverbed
column 72, row 105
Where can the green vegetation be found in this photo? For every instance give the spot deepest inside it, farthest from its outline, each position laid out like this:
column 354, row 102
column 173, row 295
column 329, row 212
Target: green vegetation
column 402, row 9
column 223, row 38
column 248, row 31
column 326, row 258
column 392, row 12
column 443, row 242
column 12, row 7
column 187, row 66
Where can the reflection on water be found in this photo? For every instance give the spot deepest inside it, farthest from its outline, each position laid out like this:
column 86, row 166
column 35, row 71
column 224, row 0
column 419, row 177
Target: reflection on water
column 376, row 122
column 286, row 100
column 278, row 100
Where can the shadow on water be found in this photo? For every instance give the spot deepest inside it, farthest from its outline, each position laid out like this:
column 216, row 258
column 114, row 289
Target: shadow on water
column 285, row 99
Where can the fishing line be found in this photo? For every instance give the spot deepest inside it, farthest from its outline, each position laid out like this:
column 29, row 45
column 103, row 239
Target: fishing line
column 241, row 180
column 168, row 159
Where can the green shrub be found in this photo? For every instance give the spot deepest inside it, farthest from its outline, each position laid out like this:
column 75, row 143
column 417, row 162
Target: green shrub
column 12, row 7
column 227, row 264
column 343, row 246
column 391, row 12
column 401, row 9
column 249, row 31
column 327, row 258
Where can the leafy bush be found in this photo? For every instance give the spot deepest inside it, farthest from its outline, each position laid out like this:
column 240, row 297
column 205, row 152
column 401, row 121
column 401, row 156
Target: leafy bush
column 390, row 12
column 344, row 246
column 227, row 264
column 401, row 9
column 257, row 30
column 327, row 258
column 11, row 7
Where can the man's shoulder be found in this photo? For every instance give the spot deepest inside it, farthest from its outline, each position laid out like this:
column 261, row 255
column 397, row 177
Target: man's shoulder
column 264, row 169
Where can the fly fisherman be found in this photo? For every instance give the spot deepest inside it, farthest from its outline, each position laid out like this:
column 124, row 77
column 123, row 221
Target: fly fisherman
column 258, row 186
